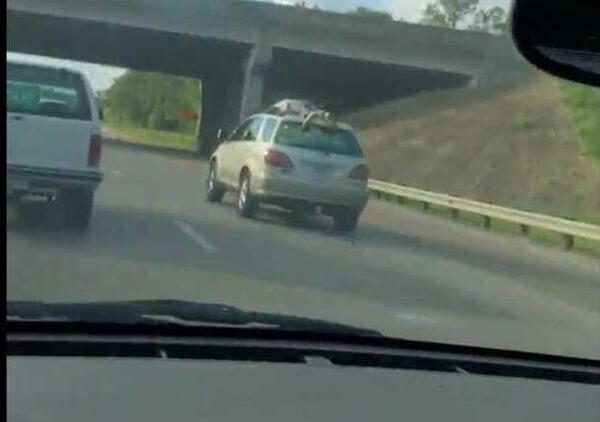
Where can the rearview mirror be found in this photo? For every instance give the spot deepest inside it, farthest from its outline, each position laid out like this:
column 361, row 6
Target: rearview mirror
column 220, row 136
column 560, row 37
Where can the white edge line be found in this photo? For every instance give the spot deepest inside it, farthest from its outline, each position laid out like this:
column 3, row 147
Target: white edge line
column 196, row 237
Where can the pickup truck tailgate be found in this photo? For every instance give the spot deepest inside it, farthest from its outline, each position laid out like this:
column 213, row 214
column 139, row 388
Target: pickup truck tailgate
column 49, row 142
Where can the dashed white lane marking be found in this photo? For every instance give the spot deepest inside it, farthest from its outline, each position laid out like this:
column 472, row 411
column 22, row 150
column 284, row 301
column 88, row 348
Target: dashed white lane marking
column 196, row 237
column 117, row 173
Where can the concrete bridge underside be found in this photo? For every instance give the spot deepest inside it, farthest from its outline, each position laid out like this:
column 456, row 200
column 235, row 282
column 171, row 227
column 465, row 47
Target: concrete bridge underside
column 238, row 78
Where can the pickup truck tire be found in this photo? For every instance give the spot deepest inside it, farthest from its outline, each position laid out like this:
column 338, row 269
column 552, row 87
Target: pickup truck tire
column 78, row 205
column 345, row 220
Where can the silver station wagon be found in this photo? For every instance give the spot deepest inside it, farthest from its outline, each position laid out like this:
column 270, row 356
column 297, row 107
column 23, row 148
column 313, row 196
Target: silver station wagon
column 294, row 156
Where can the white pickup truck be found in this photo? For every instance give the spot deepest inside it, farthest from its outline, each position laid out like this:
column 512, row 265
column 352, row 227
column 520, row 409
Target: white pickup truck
column 54, row 144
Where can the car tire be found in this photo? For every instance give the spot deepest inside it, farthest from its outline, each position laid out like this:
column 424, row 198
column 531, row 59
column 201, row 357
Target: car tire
column 214, row 190
column 247, row 203
column 78, row 204
column 345, row 221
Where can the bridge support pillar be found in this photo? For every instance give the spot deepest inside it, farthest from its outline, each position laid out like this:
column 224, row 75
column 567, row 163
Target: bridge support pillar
column 255, row 73
column 231, row 96
column 220, row 109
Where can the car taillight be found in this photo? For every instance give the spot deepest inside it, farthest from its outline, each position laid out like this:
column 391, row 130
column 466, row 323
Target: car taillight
column 275, row 158
column 360, row 172
column 95, row 151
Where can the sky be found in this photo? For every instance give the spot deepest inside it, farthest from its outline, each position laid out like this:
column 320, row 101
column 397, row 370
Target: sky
column 409, row 10
column 101, row 77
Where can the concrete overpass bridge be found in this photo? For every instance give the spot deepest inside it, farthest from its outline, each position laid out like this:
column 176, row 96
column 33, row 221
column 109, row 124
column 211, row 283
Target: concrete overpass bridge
column 249, row 54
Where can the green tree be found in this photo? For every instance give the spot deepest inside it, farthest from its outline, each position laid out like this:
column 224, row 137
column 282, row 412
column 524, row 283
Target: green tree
column 155, row 120
column 373, row 14
column 583, row 103
column 492, row 20
column 152, row 100
column 449, row 13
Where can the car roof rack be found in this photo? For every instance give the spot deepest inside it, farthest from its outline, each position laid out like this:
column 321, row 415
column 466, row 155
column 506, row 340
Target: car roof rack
column 322, row 117
column 304, row 109
column 300, row 108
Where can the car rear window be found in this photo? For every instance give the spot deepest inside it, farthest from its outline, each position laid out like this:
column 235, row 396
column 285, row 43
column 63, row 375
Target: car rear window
column 44, row 91
column 318, row 138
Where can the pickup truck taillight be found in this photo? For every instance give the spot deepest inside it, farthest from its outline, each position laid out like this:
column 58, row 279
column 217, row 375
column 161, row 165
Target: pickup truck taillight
column 360, row 172
column 276, row 158
column 95, row 151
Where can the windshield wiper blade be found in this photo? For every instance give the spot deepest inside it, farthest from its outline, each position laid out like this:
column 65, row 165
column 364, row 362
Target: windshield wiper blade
column 174, row 312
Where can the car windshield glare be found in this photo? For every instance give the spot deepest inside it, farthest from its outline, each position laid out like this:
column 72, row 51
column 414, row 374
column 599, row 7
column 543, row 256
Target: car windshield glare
column 318, row 138
column 49, row 92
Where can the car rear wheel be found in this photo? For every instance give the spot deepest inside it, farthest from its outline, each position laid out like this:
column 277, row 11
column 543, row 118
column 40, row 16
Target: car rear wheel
column 214, row 190
column 345, row 220
column 247, row 203
column 78, row 208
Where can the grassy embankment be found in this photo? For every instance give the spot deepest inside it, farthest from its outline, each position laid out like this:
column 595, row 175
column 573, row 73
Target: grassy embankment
column 533, row 147
column 149, row 137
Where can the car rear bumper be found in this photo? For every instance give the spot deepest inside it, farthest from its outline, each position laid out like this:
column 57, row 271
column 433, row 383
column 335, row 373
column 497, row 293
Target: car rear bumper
column 38, row 180
column 289, row 192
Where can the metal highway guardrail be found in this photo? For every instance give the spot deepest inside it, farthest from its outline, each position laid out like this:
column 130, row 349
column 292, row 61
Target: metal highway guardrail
column 567, row 228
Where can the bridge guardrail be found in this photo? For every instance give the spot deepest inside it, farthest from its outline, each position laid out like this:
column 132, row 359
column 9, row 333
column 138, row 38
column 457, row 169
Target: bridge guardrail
column 567, row 228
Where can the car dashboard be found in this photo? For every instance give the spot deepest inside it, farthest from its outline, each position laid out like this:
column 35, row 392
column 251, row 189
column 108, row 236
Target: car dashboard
column 157, row 389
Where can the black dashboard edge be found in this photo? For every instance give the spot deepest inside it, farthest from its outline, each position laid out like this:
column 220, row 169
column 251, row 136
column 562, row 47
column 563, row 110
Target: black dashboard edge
column 274, row 345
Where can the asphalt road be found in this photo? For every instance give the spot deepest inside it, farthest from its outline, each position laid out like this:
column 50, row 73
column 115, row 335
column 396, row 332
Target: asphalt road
column 402, row 272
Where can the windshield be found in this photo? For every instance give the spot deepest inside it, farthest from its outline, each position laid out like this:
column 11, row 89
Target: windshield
column 43, row 91
column 453, row 196
column 318, row 138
